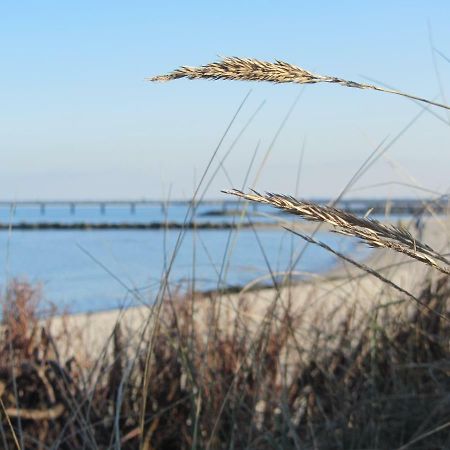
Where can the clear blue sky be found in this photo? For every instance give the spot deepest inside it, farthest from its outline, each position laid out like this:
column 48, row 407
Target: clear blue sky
column 79, row 121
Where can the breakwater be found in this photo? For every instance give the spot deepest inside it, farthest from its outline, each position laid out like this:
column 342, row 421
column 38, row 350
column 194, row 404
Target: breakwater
column 131, row 226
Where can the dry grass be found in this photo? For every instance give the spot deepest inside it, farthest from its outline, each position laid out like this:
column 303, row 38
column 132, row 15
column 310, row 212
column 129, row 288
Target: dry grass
column 380, row 380
column 248, row 69
column 369, row 392
column 370, row 231
column 379, row 383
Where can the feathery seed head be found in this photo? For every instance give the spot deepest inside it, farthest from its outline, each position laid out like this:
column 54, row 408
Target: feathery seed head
column 249, row 69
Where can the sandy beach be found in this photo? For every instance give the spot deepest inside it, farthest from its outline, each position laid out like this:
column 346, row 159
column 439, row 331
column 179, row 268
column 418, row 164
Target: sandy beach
column 319, row 303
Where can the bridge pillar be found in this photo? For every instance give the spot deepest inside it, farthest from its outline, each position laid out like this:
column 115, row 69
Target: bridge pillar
column 72, row 208
column 133, row 208
column 102, row 209
column 42, row 208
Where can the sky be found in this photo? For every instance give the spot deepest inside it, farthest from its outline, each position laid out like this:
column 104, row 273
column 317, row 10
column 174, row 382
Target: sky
column 78, row 120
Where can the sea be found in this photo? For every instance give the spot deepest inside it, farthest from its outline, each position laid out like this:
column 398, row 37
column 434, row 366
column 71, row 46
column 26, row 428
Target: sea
column 87, row 270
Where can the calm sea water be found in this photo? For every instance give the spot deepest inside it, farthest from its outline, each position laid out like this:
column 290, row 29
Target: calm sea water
column 102, row 269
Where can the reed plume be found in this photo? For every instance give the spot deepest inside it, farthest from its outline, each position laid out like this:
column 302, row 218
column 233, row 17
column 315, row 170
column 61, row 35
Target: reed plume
column 370, row 231
column 249, row 69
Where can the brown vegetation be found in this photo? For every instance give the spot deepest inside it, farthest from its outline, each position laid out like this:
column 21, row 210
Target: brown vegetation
column 381, row 383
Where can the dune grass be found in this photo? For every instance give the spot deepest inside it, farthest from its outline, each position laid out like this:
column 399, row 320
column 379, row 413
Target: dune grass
column 249, row 69
column 223, row 371
column 379, row 382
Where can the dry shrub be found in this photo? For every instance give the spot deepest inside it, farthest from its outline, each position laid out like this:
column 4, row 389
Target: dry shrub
column 383, row 388
column 34, row 386
column 20, row 322
column 388, row 388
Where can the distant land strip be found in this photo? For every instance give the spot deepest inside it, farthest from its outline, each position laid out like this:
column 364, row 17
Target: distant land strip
column 132, row 226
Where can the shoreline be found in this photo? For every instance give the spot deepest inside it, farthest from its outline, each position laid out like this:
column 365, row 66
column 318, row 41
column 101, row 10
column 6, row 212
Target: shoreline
column 332, row 294
column 298, row 278
column 336, row 271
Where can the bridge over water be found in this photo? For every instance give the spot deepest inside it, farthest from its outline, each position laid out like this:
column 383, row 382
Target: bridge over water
column 356, row 206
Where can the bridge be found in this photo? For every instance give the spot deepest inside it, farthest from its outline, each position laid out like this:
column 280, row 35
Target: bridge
column 355, row 206
column 102, row 205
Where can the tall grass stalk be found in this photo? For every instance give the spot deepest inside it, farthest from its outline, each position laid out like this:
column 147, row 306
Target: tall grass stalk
column 249, row 69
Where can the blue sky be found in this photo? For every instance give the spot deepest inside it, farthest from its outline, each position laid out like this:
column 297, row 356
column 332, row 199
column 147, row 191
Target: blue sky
column 78, row 120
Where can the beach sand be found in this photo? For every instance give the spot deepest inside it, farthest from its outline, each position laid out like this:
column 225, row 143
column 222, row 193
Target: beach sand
column 319, row 304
